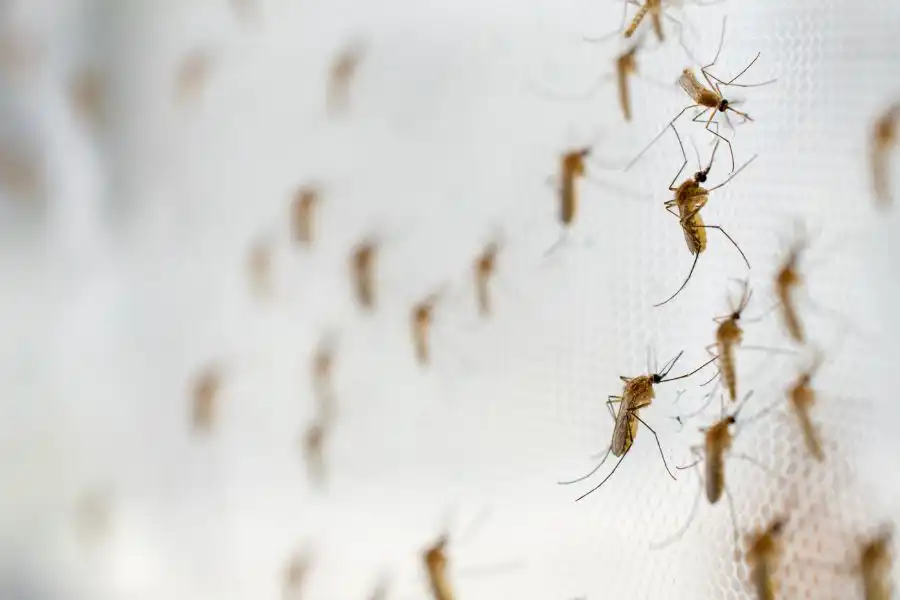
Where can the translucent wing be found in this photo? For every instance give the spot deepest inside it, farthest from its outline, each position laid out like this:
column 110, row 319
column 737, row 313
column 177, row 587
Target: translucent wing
column 691, row 85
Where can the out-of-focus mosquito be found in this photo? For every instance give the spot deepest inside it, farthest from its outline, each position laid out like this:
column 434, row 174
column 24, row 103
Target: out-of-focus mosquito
column 259, row 267
column 296, row 572
column 313, row 446
column 764, row 549
column 343, row 70
column 802, row 397
column 435, row 559
column 884, row 138
column 204, row 394
column 637, row 394
column 306, row 198
column 323, row 387
column 876, row 565
column 728, row 335
column 717, row 443
column 485, row 266
column 709, row 98
column 690, row 197
column 787, row 280
column 87, row 95
column 421, row 318
column 362, row 267
column 192, row 75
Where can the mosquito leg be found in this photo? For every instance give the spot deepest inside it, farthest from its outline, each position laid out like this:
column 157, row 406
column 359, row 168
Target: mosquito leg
column 605, row 479
column 609, row 402
column 683, row 529
column 683, row 154
column 672, row 212
column 658, row 445
column 678, row 291
column 659, row 135
column 721, row 137
column 719, row 49
column 730, row 240
column 737, row 544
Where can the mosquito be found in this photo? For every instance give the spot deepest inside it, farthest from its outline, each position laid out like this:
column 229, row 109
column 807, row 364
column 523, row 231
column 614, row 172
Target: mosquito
column 763, row 554
column 435, row 558
column 313, row 444
column 322, row 367
column 626, row 65
column 88, row 96
column 362, row 266
column 637, row 394
column 485, row 267
column 296, row 572
column 259, row 267
column 728, row 335
column 884, row 138
column 787, row 280
column 421, row 320
column 305, row 201
column 343, row 69
column 718, row 439
column 689, row 198
column 802, row 397
column 192, row 75
column 205, row 391
column 709, row 98
column 876, row 565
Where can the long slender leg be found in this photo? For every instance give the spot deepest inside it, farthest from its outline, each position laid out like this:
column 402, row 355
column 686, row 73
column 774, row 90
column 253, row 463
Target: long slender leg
column 683, row 529
column 658, row 445
column 678, row 291
column 683, row 154
column 605, row 479
column 609, row 402
column 721, row 137
column 659, row 135
column 730, row 240
column 737, row 544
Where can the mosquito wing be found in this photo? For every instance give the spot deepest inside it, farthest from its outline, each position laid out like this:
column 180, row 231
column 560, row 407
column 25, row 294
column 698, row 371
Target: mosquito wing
column 691, row 85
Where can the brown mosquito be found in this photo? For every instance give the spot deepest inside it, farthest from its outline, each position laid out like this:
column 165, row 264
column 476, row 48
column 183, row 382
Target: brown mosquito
column 306, row 198
column 690, row 197
column 485, row 267
column 343, row 70
column 637, row 394
column 884, row 138
column 362, row 266
column 717, row 444
column 204, row 394
column 709, row 99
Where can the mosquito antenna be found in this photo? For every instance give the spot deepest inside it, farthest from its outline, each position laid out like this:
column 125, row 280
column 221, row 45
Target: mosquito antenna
column 691, row 272
column 742, row 404
column 669, row 366
column 594, row 470
column 760, row 414
column 686, row 375
column 721, row 42
column 696, row 152
column 734, row 174
column 700, row 410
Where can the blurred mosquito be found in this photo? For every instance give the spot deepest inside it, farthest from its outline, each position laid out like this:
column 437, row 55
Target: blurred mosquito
column 717, row 443
column 204, row 394
column 884, row 138
column 709, row 98
column 876, row 566
column 421, row 317
column 802, row 397
column 485, row 266
column 296, row 573
column 689, row 198
column 637, row 394
column 323, row 387
column 259, row 267
column 313, row 447
column 343, row 70
column 306, row 199
column 192, row 75
column 362, row 266
column 787, row 280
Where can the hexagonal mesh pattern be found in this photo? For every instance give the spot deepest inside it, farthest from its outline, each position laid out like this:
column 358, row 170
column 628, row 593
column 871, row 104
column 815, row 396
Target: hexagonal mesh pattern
column 130, row 278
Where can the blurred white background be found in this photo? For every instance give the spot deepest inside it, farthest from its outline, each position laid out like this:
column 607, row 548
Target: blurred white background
column 124, row 250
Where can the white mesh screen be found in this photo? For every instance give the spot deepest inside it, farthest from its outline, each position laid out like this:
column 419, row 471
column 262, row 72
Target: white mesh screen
column 126, row 275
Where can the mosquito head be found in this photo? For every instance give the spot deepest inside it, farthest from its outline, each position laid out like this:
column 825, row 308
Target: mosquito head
column 723, row 105
column 700, row 176
column 731, row 419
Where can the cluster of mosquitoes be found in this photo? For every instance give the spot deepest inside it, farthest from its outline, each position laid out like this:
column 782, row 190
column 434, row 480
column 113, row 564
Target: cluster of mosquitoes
column 707, row 96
